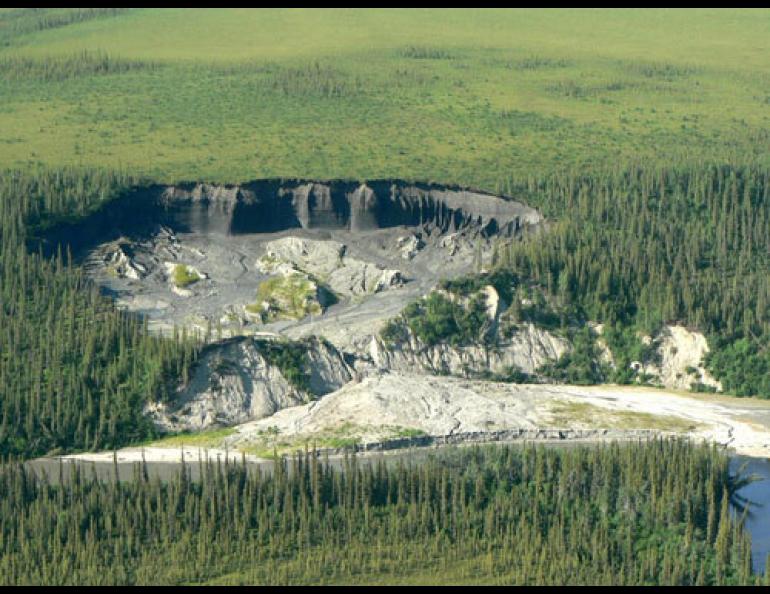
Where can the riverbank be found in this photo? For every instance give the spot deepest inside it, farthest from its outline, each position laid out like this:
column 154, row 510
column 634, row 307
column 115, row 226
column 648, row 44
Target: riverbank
column 410, row 411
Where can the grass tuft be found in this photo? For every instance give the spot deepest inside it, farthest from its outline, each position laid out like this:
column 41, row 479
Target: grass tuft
column 185, row 276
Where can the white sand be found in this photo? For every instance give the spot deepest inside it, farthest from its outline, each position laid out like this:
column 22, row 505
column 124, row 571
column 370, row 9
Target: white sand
column 163, row 454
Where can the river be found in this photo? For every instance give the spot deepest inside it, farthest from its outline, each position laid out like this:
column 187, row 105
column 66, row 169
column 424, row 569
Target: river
column 758, row 493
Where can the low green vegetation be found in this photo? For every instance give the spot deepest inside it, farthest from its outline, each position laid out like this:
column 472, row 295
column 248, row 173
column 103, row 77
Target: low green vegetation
column 271, row 442
column 293, row 296
column 184, row 276
column 462, row 96
column 570, row 414
column 18, row 22
column 395, row 431
column 291, row 358
column 415, row 52
column 346, row 435
column 210, row 438
column 491, row 515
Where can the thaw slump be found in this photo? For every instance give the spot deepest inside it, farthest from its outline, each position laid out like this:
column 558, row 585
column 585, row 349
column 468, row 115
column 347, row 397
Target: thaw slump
column 296, row 258
column 255, row 264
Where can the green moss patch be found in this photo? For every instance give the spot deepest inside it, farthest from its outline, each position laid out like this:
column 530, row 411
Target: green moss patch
column 184, row 276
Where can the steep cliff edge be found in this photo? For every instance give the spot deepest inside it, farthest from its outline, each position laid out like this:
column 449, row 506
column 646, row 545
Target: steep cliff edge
column 526, row 351
column 268, row 206
column 681, row 356
column 242, row 379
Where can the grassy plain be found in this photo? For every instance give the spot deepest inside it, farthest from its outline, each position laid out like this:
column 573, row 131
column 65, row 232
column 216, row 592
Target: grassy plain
column 468, row 97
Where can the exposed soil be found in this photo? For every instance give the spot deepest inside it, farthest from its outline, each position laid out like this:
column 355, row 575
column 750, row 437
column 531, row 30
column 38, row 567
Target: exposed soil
column 193, row 255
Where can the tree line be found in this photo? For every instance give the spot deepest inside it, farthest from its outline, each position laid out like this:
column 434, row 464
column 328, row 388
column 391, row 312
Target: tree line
column 646, row 513
column 643, row 246
column 75, row 373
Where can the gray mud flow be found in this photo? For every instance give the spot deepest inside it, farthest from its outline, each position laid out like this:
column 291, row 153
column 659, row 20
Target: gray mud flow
column 341, row 256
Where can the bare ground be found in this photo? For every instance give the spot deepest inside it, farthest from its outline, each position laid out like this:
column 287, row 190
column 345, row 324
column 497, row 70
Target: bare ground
column 389, row 405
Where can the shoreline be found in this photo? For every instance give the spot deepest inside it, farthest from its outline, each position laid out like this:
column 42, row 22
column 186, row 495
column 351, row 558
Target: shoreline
column 394, row 447
column 453, row 411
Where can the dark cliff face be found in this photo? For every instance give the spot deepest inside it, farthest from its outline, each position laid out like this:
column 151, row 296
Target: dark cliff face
column 267, row 206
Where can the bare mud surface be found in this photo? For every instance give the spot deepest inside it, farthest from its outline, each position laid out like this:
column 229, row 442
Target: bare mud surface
column 231, row 264
column 195, row 256
column 443, row 406
column 393, row 406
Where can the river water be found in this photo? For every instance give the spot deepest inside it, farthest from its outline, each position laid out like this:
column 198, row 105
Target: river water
column 758, row 493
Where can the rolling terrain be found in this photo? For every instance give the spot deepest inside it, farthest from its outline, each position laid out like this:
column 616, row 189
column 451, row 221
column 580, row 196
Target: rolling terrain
column 310, row 253
column 454, row 97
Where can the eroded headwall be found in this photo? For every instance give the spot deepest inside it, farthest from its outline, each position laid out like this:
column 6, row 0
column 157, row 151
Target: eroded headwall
column 267, row 206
